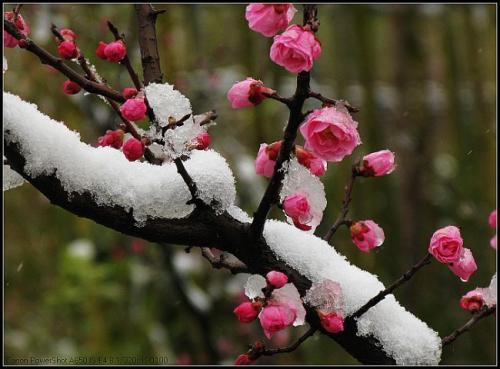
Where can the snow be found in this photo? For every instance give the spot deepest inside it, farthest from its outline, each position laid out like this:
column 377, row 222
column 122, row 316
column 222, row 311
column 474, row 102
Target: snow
column 490, row 292
column 299, row 179
column 402, row 335
column 151, row 191
column 325, row 296
column 5, row 65
column 254, row 286
column 11, row 179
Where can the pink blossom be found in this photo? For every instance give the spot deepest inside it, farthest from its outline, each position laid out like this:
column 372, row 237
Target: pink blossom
column 134, row 109
column 269, row 19
column 243, row 359
column 274, row 318
column 68, row 34
column 247, row 93
column 71, row 88
column 332, row 322
column 266, row 159
column 9, row 40
column 377, row 164
column 472, row 300
column 133, row 149
column 202, row 141
column 446, row 244
column 465, row 266
column 492, row 219
column 129, row 92
column 297, row 207
column 247, row 311
column 366, row 235
column 306, row 158
column 329, row 133
column 276, row 279
column 99, row 51
column 67, row 50
column 115, row 51
column 295, row 49
column 493, row 242
column 112, row 138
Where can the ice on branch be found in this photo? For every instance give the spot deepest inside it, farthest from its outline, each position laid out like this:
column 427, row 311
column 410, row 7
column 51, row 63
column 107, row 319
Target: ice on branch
column 11, row 179
column 254, row 286
column 402, row 335
column 490, row 292
column 325, row 295
column 151, row 191
column 299, row 179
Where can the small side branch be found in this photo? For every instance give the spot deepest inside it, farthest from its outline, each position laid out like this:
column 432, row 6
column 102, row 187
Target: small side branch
column 381, row 295
column 467, row 326
column 221, row 262
column 327, row 101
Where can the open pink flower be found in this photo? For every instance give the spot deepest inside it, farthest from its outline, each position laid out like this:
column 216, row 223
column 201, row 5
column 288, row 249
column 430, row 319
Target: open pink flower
column 332, row 322
column 134, row 109
column 472, row 300
column 276, row 279
column 377, row 164
column 133, row 149
column 112, row 138
column 274, row 318
column 247, row 311
column 295, row 49
column 446, row 244
column 297, row 207
column 492, row 219
column 115, row 51
column 247, row 93
column 266, row 159
column 22, row 26
column 329, row 133
column 269, row 19
column 316, row 166
column 366, row 235
column 465, row 266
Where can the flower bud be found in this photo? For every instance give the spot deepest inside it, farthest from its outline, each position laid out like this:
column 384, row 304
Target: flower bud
column 465, row 266
column 276, row 279
column 129, row 92
column 366, row 235
column 202, row 141
column 332, row 322
column 247, row 311
column 306, row 158
column 266, row 159
column 492, row 219
column 71, row 88
column 274, row 318
column 297, row 207
column 9, row 40
column 377, row 164
column 68, row 34
column 99, row 51
column 243, row 359
column 133, row 149
column 115, row 51
column 134, row 109
column 67, row 50
column 247, row 93
column 472, row 300
column 112, row 138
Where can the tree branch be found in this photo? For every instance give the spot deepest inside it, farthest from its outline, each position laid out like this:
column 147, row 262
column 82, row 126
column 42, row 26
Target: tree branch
column 467, row 326
column 220, row 262
column 327, row 101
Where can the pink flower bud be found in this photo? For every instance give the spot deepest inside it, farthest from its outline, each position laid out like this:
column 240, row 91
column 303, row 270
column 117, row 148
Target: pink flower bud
column 493, row 242
column 297, row 207
column 269, row 19
column 202, row 141
column 446, row 245
column 71, row 88
column 9, row 40
column 112, row 138
column 133, row 149
column 295, row 49
column 247, row 93
column 472, row 300
column 247, row 311
column 67, row 50
column 332, row 322
column 329, row 133
column 68, row 34
column 492, row 219
column 129, row 92
column 99, row 51
column 243, row 359
column 274, row 318
column 366, row 235
column 276, row 279
column 465, row 266
column 115, row 51
column 306, row 158
column 266, row 159
column 377, row 164
column 134, row 109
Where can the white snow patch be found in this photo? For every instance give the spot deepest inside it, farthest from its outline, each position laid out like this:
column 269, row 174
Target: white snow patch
column 490, row 292
column 403, row 336
column 11, row 179
column 254, row 286
column 152, row 191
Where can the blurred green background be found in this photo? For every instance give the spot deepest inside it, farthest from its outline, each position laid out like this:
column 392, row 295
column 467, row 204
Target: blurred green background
column 424, row 77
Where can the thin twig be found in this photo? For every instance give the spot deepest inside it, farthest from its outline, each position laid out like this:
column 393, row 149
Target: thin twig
column 341, row 219
column 205, row 118
column 327, row 101
column 277, row 97
column 16, row 11
column 467, row 326
column 381, row 295
column 220, row 262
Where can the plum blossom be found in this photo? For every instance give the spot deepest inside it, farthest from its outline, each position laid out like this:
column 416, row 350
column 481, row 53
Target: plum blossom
column 465, row 266
column 247, row 93
column 472, row 300
column 276, row 279
column 133, row 149
column 266, row 159
column 134, row 109
column 377, row 164
column 332, row 322
column 67, row 50
column 316, row 166
column 112, row 138
column 274, row 318
column 23, row 27
column 446, row 244
column 248, row 311
column 366, row 235
column 115, row 51
column 297, row 207
column 71, row 88
column 269, row 19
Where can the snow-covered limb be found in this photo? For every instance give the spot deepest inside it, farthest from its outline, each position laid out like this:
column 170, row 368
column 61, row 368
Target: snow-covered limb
column 149, row 201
